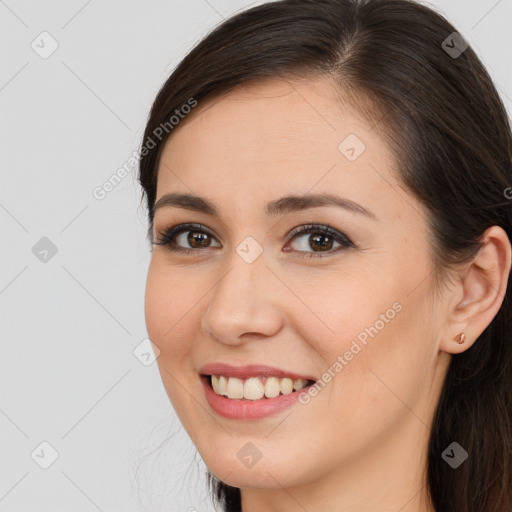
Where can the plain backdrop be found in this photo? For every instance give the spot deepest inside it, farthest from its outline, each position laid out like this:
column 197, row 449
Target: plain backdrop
column 78, row 394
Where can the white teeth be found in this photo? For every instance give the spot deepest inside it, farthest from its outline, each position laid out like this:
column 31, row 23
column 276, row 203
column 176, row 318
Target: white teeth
column 286, row 386
column 272, row 387
column 299, row 384
column 235, row 388
column 223, row 386
column 215, row 384
column 255, row 388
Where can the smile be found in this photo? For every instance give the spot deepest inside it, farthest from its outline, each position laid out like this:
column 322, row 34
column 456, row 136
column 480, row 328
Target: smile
column 251, row 392
column 255, row 388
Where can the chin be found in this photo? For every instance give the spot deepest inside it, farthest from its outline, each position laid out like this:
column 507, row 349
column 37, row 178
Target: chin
column 271, row 473
column 255, row 477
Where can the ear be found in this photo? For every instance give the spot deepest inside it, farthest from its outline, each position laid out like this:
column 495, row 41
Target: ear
column 479, row 293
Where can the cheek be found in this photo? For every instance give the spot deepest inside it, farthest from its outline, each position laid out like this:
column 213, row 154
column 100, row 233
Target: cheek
column 383, row 379
column 166, row 310
column 356, row 312
column 156, row 302
column 169, row 320
column 369, row 336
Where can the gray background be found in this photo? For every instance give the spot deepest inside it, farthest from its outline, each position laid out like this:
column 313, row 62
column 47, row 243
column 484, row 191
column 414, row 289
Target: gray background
column 70, row 321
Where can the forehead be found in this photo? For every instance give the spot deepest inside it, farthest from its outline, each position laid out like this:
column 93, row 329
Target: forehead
column 274, row 137
column 272, row 118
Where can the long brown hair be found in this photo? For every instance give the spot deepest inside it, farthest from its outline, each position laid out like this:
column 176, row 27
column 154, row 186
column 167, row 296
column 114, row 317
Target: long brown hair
column 450, row 133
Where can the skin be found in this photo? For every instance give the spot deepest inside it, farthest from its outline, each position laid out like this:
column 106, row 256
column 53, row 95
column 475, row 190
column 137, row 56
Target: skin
column 360, row 444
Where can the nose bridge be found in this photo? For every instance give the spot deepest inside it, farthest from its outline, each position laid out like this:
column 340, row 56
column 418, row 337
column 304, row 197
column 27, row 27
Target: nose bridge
column 241, row 301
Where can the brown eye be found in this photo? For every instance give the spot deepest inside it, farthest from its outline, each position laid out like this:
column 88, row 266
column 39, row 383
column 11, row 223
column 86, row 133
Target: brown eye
column 317, row 239
column 196, row 239
column 186, row 238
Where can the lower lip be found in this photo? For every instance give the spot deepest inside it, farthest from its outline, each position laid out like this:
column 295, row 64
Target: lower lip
column 248, row 409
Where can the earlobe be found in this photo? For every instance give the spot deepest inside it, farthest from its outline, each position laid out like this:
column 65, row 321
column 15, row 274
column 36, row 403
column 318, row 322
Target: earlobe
column 483, row 286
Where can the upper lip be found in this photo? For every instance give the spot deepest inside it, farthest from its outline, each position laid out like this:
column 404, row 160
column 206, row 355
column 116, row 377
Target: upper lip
column 249, row 370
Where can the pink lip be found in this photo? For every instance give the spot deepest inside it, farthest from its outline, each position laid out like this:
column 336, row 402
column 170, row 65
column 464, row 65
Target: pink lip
column 250, row 370
column 248, row 409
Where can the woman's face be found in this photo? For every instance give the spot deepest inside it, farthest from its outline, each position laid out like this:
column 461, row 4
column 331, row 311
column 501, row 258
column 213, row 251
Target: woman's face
column 347, row 308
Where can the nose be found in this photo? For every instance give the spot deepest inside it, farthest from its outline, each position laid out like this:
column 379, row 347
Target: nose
column 244, row 303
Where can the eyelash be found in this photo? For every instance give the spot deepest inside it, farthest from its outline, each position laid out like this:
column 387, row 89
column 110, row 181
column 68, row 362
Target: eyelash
column 167, row 238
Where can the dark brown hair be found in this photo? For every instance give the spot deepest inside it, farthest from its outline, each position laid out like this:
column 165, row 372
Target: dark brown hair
column 450, row 133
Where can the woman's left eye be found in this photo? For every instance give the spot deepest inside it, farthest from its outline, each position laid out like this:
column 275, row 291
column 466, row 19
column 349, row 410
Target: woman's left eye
column 318, row 237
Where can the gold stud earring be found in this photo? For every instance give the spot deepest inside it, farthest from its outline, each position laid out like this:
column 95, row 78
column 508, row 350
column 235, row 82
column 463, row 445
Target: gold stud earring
column 460, row 338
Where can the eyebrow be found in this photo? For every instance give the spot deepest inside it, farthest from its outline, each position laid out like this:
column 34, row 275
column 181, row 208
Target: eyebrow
column 274, row 208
